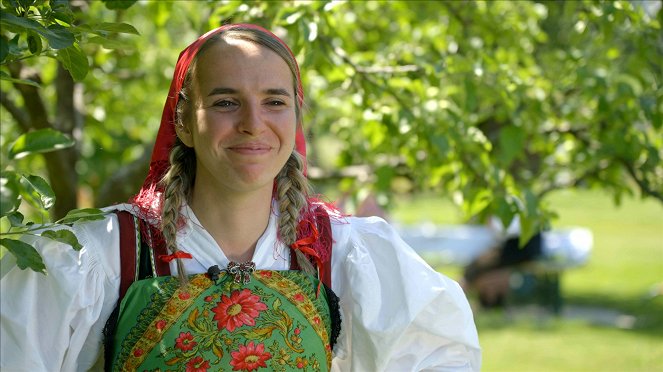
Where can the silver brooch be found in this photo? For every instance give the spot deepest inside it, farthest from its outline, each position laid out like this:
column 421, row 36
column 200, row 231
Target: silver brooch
column 241, row 271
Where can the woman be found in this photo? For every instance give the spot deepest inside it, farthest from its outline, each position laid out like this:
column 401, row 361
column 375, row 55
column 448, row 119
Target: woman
column 226, row 209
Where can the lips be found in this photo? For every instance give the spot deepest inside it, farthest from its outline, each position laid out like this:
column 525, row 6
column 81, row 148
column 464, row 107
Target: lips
column 251, row 148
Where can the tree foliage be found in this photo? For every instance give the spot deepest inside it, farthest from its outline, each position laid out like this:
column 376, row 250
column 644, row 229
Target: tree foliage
column 493, row 104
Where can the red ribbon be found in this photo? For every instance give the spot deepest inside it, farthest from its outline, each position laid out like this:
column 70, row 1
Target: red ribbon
column 305, row 245
column 178, row 254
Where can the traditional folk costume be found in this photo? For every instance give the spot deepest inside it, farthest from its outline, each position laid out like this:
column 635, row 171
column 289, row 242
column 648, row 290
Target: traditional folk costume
column 395, row 314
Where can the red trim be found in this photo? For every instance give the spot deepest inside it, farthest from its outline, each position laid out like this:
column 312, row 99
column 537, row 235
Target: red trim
column 158, row 249
column 322, row 231
column 127, row 251
column 178, row 254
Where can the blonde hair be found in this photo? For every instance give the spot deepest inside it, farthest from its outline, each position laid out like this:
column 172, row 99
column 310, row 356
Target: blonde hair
column 292, row 186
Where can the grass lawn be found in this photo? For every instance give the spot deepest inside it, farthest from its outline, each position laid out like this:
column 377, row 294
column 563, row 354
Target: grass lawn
column 625, row 267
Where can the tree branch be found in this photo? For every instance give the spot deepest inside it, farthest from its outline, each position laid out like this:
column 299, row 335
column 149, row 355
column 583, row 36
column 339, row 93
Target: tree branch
column 388, row 69
column 34, row 104
column 124, row 183
column 345, row 58
column 644, row 185
column 59, row 164
column 21, row 116
column 62, row 171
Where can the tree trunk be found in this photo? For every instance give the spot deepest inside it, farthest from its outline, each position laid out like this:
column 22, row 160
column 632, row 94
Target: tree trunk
column 125, row 183
column 60, row 165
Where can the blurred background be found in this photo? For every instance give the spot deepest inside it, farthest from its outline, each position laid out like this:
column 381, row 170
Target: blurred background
column 516, row 145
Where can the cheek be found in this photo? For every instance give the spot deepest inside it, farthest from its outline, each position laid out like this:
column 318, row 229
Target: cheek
column 288, row 135
column 209, row 123
column 288, row 127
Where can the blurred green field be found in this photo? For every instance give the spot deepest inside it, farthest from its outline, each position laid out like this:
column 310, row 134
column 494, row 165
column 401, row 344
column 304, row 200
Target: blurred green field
column 612, row 318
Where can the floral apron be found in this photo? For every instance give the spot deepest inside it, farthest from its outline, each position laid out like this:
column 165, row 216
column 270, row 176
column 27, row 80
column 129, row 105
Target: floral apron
column 274, row 320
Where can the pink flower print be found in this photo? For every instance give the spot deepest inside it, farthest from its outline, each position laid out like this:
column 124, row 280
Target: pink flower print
column 197, row 364
column 185, row 342
column 241, row 308
column 249, row 357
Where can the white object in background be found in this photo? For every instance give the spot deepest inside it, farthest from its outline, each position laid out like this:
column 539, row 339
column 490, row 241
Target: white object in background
column 460, row 244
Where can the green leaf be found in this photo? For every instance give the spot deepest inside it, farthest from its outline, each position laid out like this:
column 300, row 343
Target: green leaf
column 505, row 211
column 85, row 214
column 512, row 143
column 26, row 3
column 15, row 219
column 441, row 144
column 478, row 203
column 37, row 191
column 531, row 204
column 13, row 45
column 108, row 43
column 10, row 196
column 6, row 77
column 123, row 28
column 75, row 62
column 62, row 11
column 39, row 141
column 527, row 229
column 20, row 22
column 10, row 4
column 471, row 101
column 4, row 48
column 34, row 43
column 59, row 5
column 63, row 236
column 119, row 4
column 26, row 255
column 384, row 175
column 58, row 36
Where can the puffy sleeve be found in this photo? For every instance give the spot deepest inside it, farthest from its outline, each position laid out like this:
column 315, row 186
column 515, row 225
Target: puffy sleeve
column 398, row 314
column 54, row 322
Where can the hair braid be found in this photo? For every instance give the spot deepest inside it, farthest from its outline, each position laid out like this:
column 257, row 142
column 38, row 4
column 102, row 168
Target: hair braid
column 292, row 192
column 177, row 187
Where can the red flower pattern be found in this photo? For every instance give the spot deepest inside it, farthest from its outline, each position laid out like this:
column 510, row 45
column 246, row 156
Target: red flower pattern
column 160, row 325
column 241, row 308
column 197, row 364
column 298, row 297
column 185, row 342
column 249, row 357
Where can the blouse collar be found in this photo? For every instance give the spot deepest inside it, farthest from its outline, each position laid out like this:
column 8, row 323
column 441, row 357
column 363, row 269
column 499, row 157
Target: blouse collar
column 270, row 253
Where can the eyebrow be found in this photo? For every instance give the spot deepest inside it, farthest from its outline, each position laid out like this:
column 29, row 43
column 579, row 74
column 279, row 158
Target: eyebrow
column 271, row 91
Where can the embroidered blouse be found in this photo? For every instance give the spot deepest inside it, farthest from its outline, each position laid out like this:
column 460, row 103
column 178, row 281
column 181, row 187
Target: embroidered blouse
column 397, row 313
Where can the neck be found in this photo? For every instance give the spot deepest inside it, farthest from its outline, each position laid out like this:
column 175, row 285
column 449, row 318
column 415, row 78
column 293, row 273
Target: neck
column 236, row 222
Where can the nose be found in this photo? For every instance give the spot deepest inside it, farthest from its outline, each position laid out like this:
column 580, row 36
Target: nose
column 250, row 119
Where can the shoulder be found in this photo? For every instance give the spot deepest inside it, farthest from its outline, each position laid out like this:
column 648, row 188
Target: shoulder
column 99, row 245
column 349, row 229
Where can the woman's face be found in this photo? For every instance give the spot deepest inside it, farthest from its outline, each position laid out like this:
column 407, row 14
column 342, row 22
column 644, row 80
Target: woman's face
column 242, row 121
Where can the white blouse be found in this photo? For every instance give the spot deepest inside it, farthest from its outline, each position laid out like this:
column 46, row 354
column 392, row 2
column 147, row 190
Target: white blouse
column 397, row 313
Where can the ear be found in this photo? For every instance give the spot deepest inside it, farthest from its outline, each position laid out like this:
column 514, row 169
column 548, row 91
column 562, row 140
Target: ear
column 184, row 134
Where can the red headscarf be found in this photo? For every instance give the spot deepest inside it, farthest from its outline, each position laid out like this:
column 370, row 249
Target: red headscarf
column 148, row 199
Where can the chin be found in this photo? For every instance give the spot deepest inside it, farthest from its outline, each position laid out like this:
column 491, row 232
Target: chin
column 252, row 181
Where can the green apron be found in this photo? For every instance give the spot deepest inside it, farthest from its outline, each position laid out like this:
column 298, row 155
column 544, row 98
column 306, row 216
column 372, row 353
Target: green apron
column 274, row 322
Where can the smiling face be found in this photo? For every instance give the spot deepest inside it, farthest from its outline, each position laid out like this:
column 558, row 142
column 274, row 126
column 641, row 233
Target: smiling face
column 242, row 116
